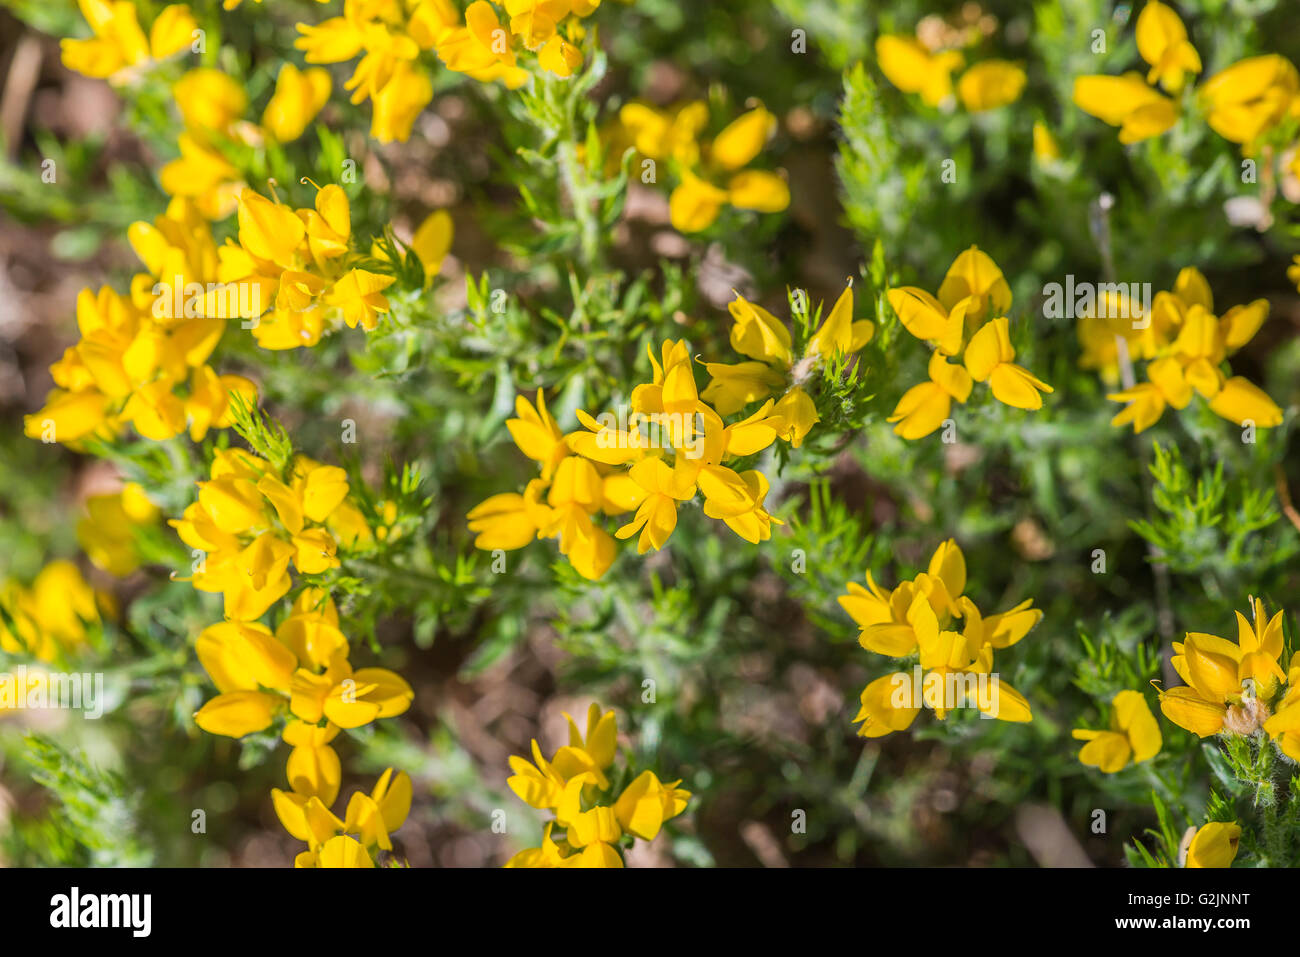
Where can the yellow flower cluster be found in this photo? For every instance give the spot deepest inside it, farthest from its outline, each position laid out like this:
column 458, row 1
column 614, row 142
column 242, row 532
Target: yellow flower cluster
column 107, row 533
column 390, row 36
column 1237, row 688
column 954, row 669
column 972, row 301
column 142, row 357
column 672, row 446
column 575, row 784
column 775, row 370
column 48, row 618
column 302, row 672
column 366, row 828
column 211, row 103
column 914, row 68
column 212, row 106
column 291, row 271
column 249, row 525
column 1133, row 735
column 673, row 136
column 1132, row 102
column 302, row 669
column 1186, row 346
column 119, row 51
column 1242, row 103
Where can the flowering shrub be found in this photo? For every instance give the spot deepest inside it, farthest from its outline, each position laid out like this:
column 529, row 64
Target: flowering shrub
column 388, row 379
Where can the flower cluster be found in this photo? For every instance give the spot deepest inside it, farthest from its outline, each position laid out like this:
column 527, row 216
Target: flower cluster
column 119, row 51
column 301, row 673
column 578, row 785
column 954, row 669
column 142, row 358
column 673, row 136
column 915, row 67
column 671, row 447
column 1186, row 346
column 774, row 369
column 1237, row 688
column 49, row 618
column 972, row 301
column 1133, row 102
column 366, row 828
column 293, row 273
column 212, row 105
column 1242, row 103
column 391, row 35
column 250, row 523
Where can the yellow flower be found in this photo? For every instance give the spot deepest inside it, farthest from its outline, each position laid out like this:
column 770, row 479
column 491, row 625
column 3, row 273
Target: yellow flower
column 246, row 555
column 51, row 617
column 665, row 134
column 359, row 294
column 482, row 44
column 990, row 84
column 574, row 784
column 695, row 203
column 509, row 520
column 366, row 829
column 202, row 174
column 1147, row 400
column 988, row 359
column 549, row 855
column 647, row 803
column 1134, row 735
column 670, row 446
column 925, row 407
column 107, row 533
column 560, row 57
column 1046, row 148
column 1284, row 725
column 662, row 488
column 1227, row 685
column 880, row 714
column 432, row 241
column 1128, row 102
column 537, row 434
column 839, row 334
column 913, row 69
column 928, row 319
column 917, row 618
column 209, row 100
column 975, row 276
column 1215, row 845
column 399, row 102
column 1162, row 41
column 1190, row 344
column 299, row 96
column 258, row 674
column 759, row 334
column 1251, row 97
column 119, row 46
column 1242, row 402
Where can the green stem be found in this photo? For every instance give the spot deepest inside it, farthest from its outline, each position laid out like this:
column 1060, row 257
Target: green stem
column 578, row 186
